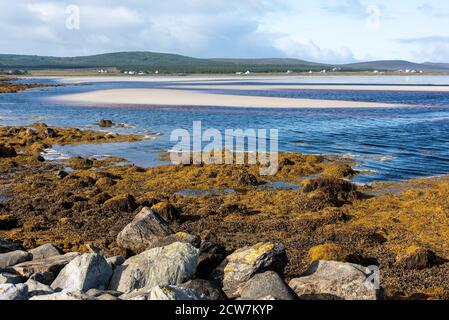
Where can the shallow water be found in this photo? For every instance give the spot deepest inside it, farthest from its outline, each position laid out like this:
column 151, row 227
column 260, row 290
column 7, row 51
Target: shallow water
column 394, row 143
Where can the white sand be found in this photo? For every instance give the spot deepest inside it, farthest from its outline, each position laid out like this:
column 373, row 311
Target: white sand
column 166, row 97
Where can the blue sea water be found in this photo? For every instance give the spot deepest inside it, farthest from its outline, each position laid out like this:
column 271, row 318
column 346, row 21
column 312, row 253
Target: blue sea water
column 393, row 143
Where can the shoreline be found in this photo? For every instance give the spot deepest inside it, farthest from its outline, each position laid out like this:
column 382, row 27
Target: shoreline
column 172, row 97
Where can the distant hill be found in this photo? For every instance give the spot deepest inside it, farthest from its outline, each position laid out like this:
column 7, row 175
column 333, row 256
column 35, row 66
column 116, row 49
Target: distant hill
column 393, row 65
column 174, row 63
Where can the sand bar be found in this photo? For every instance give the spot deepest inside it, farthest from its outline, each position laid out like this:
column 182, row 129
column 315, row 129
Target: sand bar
column 167, row 97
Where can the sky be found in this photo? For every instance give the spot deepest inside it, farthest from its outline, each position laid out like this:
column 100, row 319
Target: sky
column 331, row 31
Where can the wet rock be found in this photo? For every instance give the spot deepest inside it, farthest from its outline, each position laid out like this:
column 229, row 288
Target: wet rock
column 172, row 264
column 206, row 288
column 84, row 272
column 241, row 265
column 79, row 163
column 104, row 182
column 8, row 246
column 167, row 211
column 8, row 222
column 146, row 227
column 177, row 237
column 415, row 257
column 45, row 251
column 14, row 257
column 331, row 280
column 167, row 292
column 7, row 151
column 64, row 295
column 121, row 203
column 6, row 277
column 105, row 123
column 36, row 288
column 53, row 265
column 13, row 291
column 338, row 170
column 211, row 255
column 267, row 284
column 50, row 132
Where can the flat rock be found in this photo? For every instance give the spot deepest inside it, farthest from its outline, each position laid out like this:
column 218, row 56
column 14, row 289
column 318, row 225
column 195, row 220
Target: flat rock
column 84, row 272
column 64, row 295
column 267, row 284
column 168, row 292
column 45, row 251
column 6, row 277
column 14, row 257
column 13, row 291
column 53, row 264
column 243, row 263
column 172, row 264
column 146, row 227
column 331, row 280
column 36, row 288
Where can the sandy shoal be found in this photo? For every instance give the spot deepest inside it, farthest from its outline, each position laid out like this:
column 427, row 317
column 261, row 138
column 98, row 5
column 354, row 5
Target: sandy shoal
column 166, row 97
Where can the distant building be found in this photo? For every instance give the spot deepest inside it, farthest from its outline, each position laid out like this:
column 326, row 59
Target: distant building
column 310, row 71
column 156, row 72
column 239, row 73
column 323, row 71
column 289, row 72
column 248, row 72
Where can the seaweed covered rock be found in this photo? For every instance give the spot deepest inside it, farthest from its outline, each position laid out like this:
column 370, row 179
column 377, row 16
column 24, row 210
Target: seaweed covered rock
column 243, row 263
column 267, row 284
column 167, row 211
column 123, row 202
column 329, row 252
column 331, row 280
column 85, row 272
column 416, row 257
column 172, row 264
column 146, row 227
column 246, row 179
column 338, row 170
column 330, row 191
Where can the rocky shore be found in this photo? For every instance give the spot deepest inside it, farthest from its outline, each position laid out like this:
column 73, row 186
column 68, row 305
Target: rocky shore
column 107, row 231
column 8, row 85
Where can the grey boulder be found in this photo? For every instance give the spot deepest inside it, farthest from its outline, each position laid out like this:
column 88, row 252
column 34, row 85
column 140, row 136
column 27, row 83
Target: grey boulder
column 172, row 264
column 146, row 227
column 168, row 292
column 85, row 272
column 205, row 287
column 13, row 291
column 332, row 280
column 44, row 251
column 267, row 284
column 64, row 295
column 53, row 265
column 14, row 257
column 243, row 263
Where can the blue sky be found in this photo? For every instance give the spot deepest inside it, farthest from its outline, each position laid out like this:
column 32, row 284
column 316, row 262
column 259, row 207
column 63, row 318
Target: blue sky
column 333, row 31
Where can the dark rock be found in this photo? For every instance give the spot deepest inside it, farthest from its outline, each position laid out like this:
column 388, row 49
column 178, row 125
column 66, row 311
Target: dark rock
column 211, row 255
column 62, row 174
column 246, row 179
column 8, row 246
column 43, row 277
column 205, row 287
column 8, row 222
column 105, row 123
column 7, row 151
column 167, row 211
column 6, row 277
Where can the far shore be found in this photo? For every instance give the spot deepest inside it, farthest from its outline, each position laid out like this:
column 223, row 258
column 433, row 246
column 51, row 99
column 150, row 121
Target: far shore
column 172, row 97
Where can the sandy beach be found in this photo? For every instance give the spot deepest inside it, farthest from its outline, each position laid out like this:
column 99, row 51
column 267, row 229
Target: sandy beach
column 167, row 97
